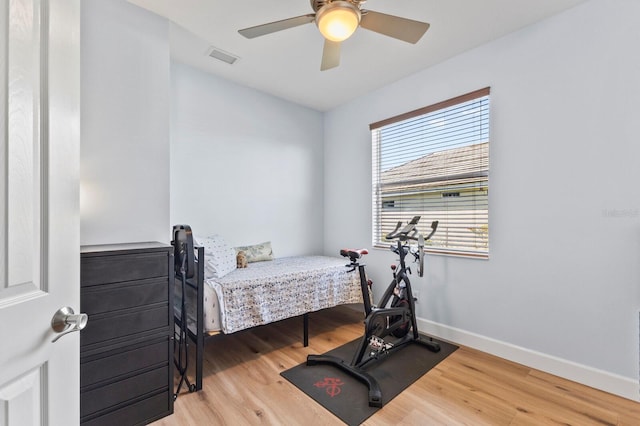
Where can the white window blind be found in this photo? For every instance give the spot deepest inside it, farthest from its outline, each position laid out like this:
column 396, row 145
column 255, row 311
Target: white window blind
column 434, row 163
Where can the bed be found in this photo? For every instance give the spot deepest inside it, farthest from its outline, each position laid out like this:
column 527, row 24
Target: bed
column 264, row 292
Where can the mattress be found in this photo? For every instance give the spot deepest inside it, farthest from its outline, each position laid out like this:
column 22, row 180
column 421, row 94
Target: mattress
column 270, row 291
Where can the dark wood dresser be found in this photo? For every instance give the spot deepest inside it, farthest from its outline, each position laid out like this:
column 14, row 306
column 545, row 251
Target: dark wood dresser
column 126, row 349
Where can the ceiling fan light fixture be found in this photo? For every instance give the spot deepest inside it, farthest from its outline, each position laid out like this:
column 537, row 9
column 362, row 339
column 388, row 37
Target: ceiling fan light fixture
column 338, row 20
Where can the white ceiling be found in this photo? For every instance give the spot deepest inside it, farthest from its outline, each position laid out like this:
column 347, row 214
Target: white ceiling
column 287, row 63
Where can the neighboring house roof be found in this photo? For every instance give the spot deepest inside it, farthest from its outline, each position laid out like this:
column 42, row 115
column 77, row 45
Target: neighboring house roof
column 454, row 166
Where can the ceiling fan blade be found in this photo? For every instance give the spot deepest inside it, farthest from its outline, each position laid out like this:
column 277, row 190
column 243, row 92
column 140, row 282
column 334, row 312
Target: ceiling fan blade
column 330, row 55
column 272, row 27
column 394, row 26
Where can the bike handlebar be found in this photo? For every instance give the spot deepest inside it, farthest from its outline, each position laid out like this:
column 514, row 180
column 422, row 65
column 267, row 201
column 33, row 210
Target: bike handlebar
column 410, row 232
column 434, row 226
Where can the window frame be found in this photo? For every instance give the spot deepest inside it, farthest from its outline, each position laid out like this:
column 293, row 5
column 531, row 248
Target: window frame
column 377, row 198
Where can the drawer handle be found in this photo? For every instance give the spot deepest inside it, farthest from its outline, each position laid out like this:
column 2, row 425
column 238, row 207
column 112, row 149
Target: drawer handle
column 66, row 321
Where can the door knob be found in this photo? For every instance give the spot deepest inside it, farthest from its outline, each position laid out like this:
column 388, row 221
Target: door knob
column 66, row 321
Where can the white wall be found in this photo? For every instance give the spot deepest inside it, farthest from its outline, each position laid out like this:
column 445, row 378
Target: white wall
column 245, row 165
column 124, row 160
column 560, row 290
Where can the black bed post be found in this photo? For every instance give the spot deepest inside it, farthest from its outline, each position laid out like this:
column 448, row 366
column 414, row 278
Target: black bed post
column 305, row 331
column 200, row 320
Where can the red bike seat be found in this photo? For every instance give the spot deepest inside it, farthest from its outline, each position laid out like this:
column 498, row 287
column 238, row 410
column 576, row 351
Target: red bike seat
column 353, row 253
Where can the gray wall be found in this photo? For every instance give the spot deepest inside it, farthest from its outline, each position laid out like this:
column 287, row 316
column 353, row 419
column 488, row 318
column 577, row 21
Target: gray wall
column 562, row 279
column 245, row 165
column 124, row 158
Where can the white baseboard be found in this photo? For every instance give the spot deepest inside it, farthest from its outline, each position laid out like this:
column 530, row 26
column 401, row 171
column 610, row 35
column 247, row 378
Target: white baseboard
column 599, row 379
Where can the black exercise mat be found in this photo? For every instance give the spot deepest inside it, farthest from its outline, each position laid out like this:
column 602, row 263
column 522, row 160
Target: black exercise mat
column 347, row 397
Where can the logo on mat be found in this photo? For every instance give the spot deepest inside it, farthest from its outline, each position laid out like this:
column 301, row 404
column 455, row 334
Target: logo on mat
column 331, row 385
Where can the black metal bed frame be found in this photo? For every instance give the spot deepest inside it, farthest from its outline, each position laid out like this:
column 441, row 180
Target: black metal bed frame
column 199, row 337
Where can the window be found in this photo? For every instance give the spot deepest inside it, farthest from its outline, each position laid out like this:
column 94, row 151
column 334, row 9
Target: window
column 434, row 162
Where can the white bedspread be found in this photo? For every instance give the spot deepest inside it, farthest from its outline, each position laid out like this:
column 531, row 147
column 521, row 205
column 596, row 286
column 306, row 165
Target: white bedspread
column 270, row 291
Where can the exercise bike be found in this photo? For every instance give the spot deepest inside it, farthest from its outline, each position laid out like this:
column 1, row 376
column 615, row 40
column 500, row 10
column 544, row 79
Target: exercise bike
column 391, row 325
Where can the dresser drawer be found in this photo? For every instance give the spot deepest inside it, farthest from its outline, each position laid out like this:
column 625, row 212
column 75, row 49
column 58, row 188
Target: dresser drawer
column 118, row 268
column 120, row 363
column 141, row 412
column 105, row 327
column 113, row 297
column 123, row 391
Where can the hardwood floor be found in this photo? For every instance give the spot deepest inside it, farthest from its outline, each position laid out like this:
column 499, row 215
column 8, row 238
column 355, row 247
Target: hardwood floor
column 243, row 386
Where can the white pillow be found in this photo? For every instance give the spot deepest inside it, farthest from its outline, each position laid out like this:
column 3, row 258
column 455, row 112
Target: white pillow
column 220, row 258
column 257, row 252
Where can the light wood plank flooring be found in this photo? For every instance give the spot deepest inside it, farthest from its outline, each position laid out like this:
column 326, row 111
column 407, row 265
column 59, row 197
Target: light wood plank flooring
column 243, row 386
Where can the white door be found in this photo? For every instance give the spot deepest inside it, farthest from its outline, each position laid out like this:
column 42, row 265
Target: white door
column 39, row 212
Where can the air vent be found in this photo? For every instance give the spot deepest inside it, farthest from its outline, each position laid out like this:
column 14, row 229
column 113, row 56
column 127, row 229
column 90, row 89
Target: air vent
column 221, row 55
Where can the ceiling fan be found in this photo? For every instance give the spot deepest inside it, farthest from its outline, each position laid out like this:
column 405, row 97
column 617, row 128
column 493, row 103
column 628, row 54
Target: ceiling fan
column 337, row 20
